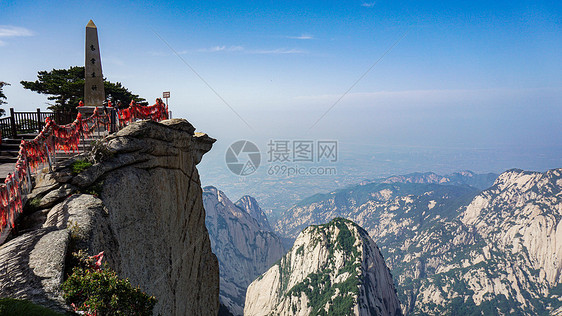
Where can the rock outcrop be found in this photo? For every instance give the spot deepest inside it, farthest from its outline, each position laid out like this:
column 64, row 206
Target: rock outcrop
column 145, row 210
column 332, row 269
column 243, row 242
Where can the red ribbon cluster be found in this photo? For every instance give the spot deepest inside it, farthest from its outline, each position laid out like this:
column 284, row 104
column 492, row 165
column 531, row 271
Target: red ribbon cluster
column 61, row 137
column 10, row 197
column 156, row 112
column 31, row 154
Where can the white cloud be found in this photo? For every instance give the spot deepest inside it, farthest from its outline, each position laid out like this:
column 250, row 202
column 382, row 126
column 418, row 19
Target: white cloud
column 302, row 37
column 229, row 49
column 368, row 4
column 222, row 48
column 7, row 31
column 278, row 51
column 14, row 31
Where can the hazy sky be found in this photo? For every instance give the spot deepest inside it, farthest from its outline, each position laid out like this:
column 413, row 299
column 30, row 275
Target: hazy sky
column 412, row 73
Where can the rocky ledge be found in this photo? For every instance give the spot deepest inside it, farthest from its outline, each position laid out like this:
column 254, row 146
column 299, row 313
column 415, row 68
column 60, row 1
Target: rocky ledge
column 140, row 201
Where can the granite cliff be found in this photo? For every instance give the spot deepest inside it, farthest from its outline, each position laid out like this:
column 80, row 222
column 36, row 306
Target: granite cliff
column 243, row 242
column 332, row 269
column 144, row 209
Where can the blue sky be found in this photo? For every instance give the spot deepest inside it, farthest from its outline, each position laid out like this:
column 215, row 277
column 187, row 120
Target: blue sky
column 461, row 75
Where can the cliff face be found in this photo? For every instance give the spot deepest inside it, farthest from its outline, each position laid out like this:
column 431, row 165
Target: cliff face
column 157, row 230
column 149, row 217
column 333, row 269
column 243, row 242
column 522, row 213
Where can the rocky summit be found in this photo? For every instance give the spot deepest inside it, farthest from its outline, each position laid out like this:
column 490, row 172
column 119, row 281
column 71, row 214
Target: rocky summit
column 243, row 242
column 332, row 269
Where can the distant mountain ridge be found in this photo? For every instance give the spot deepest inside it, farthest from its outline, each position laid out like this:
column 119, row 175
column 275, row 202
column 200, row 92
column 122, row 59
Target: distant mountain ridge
column 480, row 181
column 453, row 248
column 365, row 203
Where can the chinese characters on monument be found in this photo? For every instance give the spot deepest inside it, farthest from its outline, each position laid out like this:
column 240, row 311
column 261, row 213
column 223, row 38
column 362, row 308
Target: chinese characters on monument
column 94, row 92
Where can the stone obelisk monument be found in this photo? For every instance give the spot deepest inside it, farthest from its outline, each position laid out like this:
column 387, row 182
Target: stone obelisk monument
column 94, row 93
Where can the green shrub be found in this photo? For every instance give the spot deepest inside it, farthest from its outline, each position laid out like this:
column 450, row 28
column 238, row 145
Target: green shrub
column 11, row 306
column 80, row 165
column 98, row 290
column 33, row 204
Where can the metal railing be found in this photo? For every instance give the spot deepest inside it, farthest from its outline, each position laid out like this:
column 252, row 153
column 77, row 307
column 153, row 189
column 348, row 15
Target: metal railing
column 31, row 122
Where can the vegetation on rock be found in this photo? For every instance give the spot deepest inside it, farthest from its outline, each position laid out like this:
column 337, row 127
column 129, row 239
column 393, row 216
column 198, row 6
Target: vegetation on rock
column 80, row 165
column 96, row 290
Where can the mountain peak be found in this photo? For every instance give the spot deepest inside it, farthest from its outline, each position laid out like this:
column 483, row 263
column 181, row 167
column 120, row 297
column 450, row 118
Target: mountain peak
column 249, row 205
column 334, row 268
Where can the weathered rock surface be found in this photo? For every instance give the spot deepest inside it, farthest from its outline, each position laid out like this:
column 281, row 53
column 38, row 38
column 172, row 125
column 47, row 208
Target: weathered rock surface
column 245, row 247
column 332, row 269
column 32, row 267
column 148, row 218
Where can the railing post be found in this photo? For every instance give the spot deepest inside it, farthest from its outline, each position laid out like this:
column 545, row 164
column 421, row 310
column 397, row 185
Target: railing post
column 83, row 143
column 28, row 178
column 48, row 157
column 54, row 150
column 13, row 123
column 38, row 120
column 114, row 120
